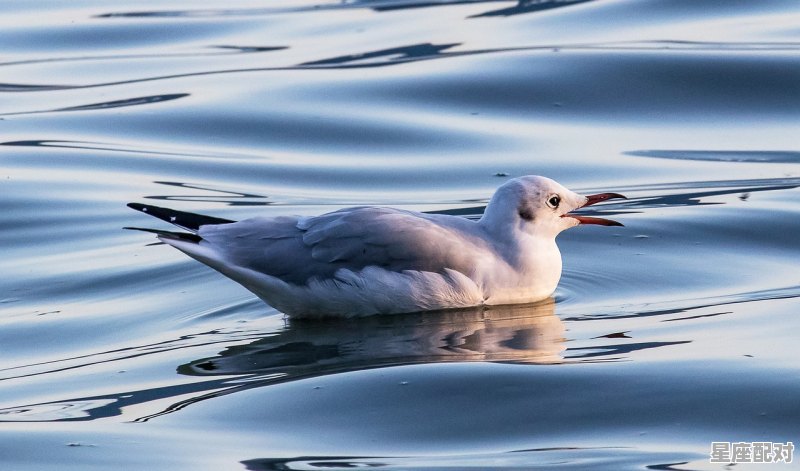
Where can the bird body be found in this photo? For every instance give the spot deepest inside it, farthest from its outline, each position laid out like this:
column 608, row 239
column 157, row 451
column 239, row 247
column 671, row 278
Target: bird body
column 374, row 260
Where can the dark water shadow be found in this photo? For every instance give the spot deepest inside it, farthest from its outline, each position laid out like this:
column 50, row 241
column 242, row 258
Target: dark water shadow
column 228, row 197
column 395, row 54
column 118, row 148
column 374, row 5
column 419, row 52
column 568, row 458
column 27, row 87
column 137, row 101
column 530, row 6
column 367, row 59
column 108, row 405
column 615, row 352
column 727, row 156
column 216, row 50
column 522, row 7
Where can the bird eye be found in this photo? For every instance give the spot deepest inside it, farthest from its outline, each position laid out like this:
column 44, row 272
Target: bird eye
column 553, row 201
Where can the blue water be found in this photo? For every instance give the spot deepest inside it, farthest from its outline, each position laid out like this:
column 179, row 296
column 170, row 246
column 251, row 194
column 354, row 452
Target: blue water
column 674, row 331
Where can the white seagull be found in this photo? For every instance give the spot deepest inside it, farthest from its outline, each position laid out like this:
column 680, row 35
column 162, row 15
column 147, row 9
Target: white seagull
column 373, row 260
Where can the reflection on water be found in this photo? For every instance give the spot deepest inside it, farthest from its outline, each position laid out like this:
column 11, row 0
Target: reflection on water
column 526, row 334
column 581, row 458
column 522, row 334
column 530, row 334
column 568, row 458
column 519, row 334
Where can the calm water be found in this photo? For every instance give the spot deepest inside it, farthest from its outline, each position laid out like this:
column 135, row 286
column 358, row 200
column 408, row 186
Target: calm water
column 675, row 331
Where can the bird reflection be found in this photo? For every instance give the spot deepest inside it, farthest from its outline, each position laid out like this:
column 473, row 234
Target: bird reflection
column 303, row 349
column 520, row 333
column 528, row 333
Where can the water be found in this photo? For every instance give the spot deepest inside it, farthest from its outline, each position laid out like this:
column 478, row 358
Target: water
column 665, row 335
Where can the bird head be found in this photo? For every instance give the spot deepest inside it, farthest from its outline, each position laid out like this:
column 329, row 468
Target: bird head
column 539, row 205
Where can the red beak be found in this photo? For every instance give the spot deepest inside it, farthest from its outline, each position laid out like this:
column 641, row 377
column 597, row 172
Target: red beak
column 600, row 197
column 594, row 199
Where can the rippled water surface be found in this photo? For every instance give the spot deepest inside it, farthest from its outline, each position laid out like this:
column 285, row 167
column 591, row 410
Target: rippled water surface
column 674, row 331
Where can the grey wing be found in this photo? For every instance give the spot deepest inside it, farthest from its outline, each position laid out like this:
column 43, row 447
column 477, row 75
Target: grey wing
column 390, row 238
column 271, row 245
column 296, row 249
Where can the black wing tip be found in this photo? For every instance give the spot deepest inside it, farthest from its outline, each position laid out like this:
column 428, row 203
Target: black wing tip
column 149, row 209
column 182, row 219
column 185, row 236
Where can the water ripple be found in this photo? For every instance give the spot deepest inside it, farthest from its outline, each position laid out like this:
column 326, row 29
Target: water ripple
column 137, row 101
column 670, row 50
column 217, row 50
column 562, row 458
column 722, row 155
column 662, row 332
column 523, row 6
column 668, row 308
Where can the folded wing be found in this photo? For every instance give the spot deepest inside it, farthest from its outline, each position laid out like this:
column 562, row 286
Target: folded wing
column 296, row 249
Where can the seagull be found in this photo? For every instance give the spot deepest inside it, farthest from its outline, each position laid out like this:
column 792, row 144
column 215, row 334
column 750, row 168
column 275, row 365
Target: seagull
column 368, row 260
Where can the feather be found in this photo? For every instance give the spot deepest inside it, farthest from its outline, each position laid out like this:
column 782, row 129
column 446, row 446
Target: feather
column 188, row 221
